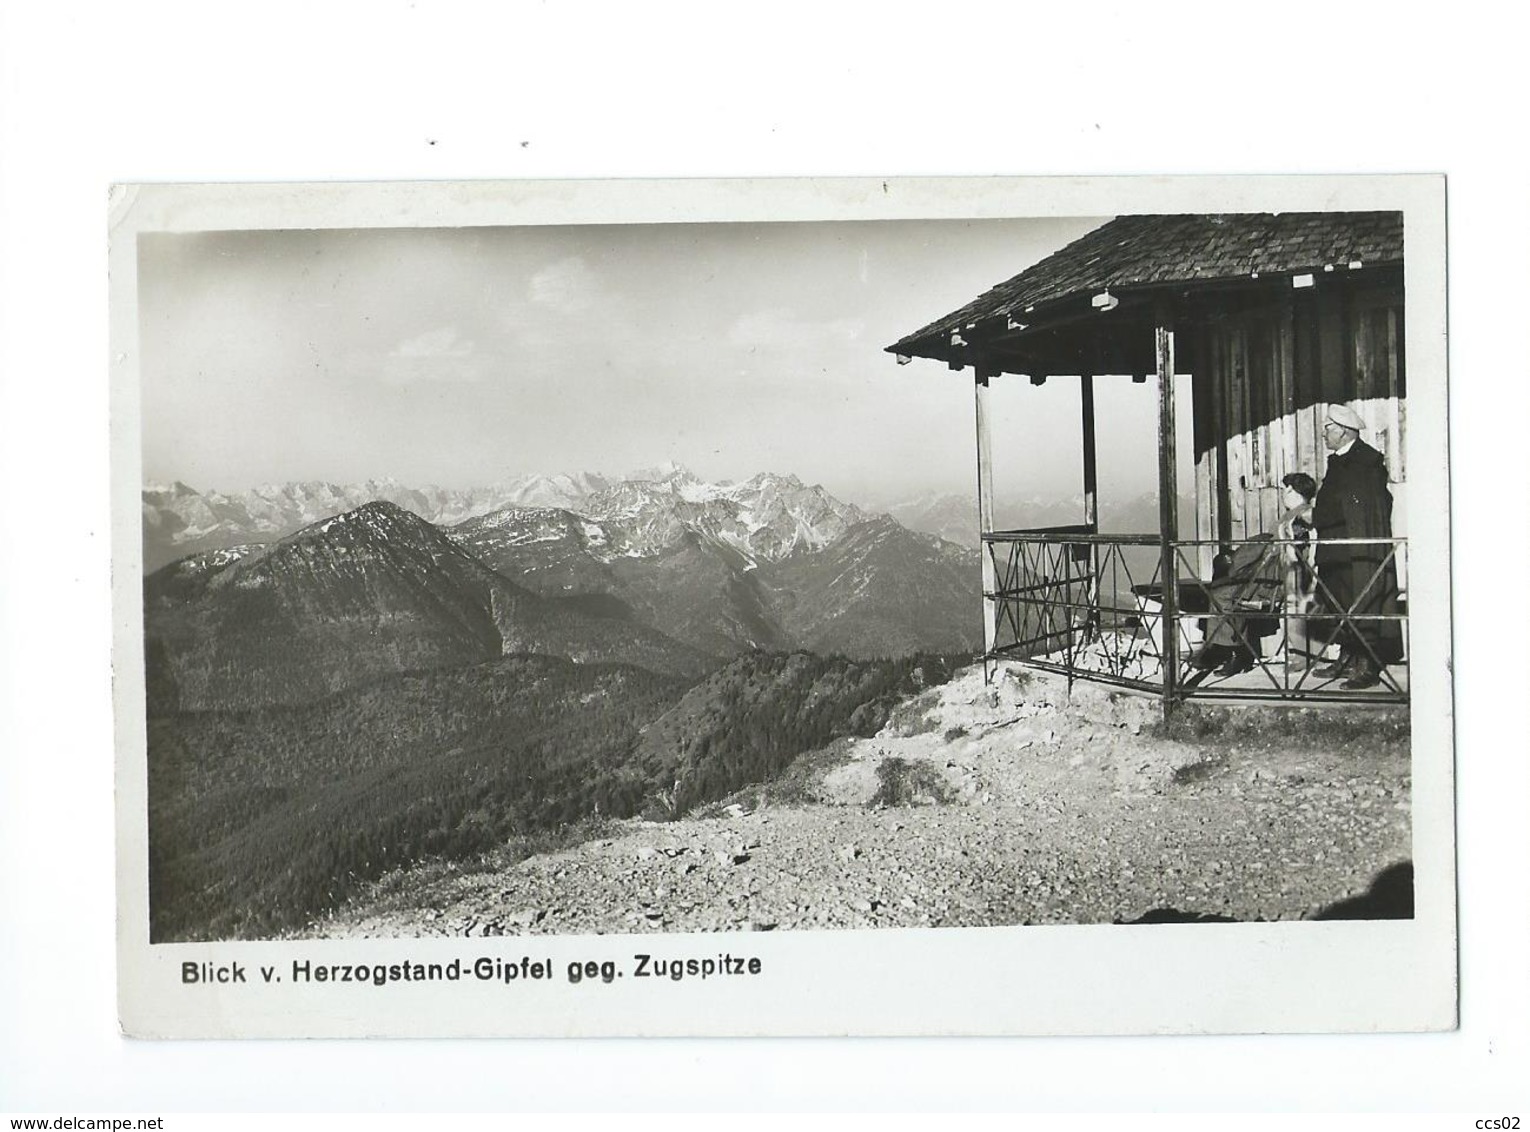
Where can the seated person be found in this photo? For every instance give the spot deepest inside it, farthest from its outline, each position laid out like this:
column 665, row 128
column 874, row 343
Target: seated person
column 1253, row 582
column 1256, row 578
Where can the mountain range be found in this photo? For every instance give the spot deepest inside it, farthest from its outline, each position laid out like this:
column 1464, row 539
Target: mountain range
column 665, row 572
column 179, row 520
column 768, row 564
column 767, row 516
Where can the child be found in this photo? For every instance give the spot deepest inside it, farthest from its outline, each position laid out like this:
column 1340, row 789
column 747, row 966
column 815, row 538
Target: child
column 1296, row 526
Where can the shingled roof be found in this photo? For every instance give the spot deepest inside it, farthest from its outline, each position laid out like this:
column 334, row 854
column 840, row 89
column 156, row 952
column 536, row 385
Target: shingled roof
column 1149, row 251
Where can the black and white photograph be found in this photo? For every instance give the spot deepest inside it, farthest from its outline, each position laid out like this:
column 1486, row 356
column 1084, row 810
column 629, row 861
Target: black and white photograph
column 674, row 559
column 843, row 575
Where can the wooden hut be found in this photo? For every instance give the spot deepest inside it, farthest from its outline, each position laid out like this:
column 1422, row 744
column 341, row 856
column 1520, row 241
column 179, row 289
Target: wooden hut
column 1272, row 318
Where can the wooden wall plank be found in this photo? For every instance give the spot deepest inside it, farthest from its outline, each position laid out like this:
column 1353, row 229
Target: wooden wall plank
column 1202, row 398
column 1287, row 369
column 1269, row 509
column 1238, row 464
column 1397, row 458
column 1222, row 510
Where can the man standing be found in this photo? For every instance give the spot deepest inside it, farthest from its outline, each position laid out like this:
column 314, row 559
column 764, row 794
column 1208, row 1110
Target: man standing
column 1354, row 502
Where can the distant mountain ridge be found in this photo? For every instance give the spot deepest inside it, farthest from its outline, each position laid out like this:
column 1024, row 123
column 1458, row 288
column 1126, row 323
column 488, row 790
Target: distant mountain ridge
column 712, row 569
column 765, row 517
column 179, row 520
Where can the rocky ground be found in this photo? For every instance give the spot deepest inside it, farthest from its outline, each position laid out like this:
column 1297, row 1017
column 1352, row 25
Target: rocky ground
column 1015, row 803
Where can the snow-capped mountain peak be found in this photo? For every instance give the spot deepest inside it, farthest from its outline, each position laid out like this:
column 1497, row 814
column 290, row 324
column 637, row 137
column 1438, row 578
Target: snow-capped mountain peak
column 768, row 517
column 765, row 518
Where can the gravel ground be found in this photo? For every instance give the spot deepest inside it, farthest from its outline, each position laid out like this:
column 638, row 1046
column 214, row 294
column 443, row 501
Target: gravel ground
column 1029, row 806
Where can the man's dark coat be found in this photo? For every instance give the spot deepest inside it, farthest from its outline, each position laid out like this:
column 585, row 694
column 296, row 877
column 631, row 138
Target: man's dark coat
column 1353, row 501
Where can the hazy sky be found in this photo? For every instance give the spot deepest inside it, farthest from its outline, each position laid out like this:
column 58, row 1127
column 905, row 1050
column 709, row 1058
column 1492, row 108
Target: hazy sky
column 464, row 356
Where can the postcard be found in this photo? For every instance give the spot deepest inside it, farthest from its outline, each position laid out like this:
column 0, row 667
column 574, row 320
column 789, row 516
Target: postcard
column 782, row 607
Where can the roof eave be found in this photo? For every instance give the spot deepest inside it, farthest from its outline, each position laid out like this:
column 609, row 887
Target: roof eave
column 1063, row 310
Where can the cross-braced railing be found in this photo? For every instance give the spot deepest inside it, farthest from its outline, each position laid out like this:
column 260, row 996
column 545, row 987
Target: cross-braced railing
column 1093, row 607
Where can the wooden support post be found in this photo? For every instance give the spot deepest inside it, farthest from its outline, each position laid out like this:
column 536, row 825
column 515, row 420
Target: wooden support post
column 1091, row 503
column 1091, row 478
column 1168, row 507
column 985, row 514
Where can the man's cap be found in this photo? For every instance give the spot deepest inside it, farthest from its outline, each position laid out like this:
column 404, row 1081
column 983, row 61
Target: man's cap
column 1346, row 417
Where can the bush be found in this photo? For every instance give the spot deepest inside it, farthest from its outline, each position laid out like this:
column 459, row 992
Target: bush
column 904, row 783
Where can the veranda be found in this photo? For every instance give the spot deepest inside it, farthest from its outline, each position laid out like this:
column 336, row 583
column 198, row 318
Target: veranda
column 1272, row 318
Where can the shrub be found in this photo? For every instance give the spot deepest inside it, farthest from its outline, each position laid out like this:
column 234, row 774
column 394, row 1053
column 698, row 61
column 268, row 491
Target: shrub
column 904, row 783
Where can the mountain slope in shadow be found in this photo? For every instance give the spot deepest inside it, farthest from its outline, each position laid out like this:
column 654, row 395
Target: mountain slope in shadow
column 374, row 591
